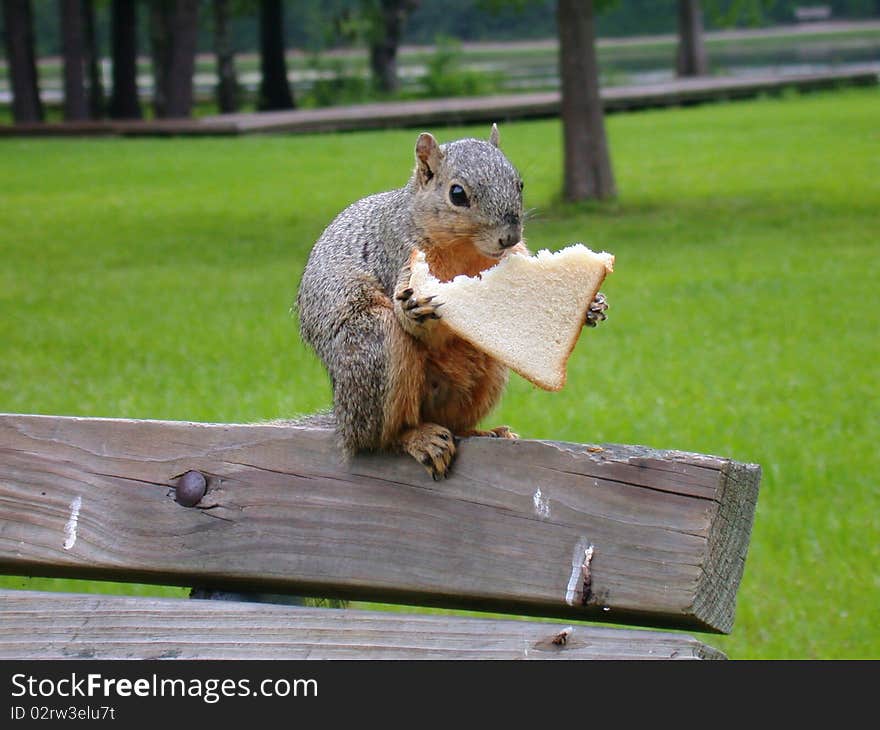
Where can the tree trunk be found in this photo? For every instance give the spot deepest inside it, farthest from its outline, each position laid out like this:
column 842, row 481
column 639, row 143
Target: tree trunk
column 19, row 24
column 388, row 21
column 73, row 49
column 159, row 44
column 124, row 101
column 173, row 35
column 184, row 37
column 92, row 55
column 227, row 85
column 588, row 173
column 275, row 91
column 383, row 64
column 691, row 59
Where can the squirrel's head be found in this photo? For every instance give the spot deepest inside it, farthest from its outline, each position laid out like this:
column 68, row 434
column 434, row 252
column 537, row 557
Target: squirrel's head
column 467, row 191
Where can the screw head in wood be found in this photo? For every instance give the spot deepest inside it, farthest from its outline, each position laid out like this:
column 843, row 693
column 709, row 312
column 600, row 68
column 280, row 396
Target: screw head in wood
column 191, row 488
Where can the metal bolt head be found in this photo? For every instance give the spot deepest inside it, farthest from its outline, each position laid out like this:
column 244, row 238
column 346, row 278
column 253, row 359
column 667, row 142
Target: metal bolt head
column 191, row 488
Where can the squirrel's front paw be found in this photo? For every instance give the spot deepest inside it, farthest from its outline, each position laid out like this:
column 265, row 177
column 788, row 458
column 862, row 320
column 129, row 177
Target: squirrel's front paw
column 432, row 445
column 414, row 312
column 596, row 312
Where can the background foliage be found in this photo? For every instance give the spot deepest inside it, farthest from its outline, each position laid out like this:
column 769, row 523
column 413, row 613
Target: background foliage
column 309, row 23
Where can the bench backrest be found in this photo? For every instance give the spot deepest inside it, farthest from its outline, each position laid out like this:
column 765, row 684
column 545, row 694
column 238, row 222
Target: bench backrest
column 610, row 533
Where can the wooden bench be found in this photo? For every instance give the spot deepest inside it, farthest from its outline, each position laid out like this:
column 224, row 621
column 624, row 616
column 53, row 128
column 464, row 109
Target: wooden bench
column 569, row 532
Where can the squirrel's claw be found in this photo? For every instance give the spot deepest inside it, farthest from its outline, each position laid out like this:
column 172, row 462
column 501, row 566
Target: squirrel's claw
column 422, row 309
column 432, row 445
column 414, row 311
column 499, row 432
column 502, row 432
column 596, row 312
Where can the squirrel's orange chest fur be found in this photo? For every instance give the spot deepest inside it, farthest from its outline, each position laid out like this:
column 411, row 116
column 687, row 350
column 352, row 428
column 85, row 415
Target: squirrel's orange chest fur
column 462, row 384
column 456, row 258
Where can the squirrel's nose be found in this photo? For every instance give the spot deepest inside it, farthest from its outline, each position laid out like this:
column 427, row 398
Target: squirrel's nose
column 513, row 231
column 511, row 239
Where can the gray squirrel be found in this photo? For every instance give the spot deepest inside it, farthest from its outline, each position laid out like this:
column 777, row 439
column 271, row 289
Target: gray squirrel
column 401, row 379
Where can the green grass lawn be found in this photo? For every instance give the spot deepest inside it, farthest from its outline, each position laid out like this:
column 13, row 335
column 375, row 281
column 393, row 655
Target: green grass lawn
column 153, row 279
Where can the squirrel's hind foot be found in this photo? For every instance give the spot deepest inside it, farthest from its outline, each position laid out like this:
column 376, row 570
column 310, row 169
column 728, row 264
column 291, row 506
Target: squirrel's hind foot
column 499, row 432
column 432, row 445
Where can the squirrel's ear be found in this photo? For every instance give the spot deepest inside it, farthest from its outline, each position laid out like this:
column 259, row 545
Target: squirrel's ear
column 428, row 157
column 494, row 138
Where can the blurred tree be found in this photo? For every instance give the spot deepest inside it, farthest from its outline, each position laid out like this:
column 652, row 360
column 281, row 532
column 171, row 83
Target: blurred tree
column 19, row 24
column 92, row 59
column 173, row 34
column 124, row 101
column 386, row 21
column 586, row 159
column 306, row 21
column 275, row 90
column 380, row 25
column 690, row 57
column 490, row 20
column 227, row 83
column 73, row 49
column 588, row 173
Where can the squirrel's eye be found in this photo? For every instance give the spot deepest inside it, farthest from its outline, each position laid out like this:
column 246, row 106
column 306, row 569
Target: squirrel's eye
column 458, row 196
column 521, row 185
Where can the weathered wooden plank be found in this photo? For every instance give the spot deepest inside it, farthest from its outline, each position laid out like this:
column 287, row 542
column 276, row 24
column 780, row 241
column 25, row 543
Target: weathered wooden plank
column 536, row 105
column 122, row 128
column 619, row 533
column 64, row 626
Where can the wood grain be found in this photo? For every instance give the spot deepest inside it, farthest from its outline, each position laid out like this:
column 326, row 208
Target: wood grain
column 667, row 532
column 66, row 626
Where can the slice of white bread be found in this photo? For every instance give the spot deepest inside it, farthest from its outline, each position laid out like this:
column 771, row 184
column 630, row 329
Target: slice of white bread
column 527, row 311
